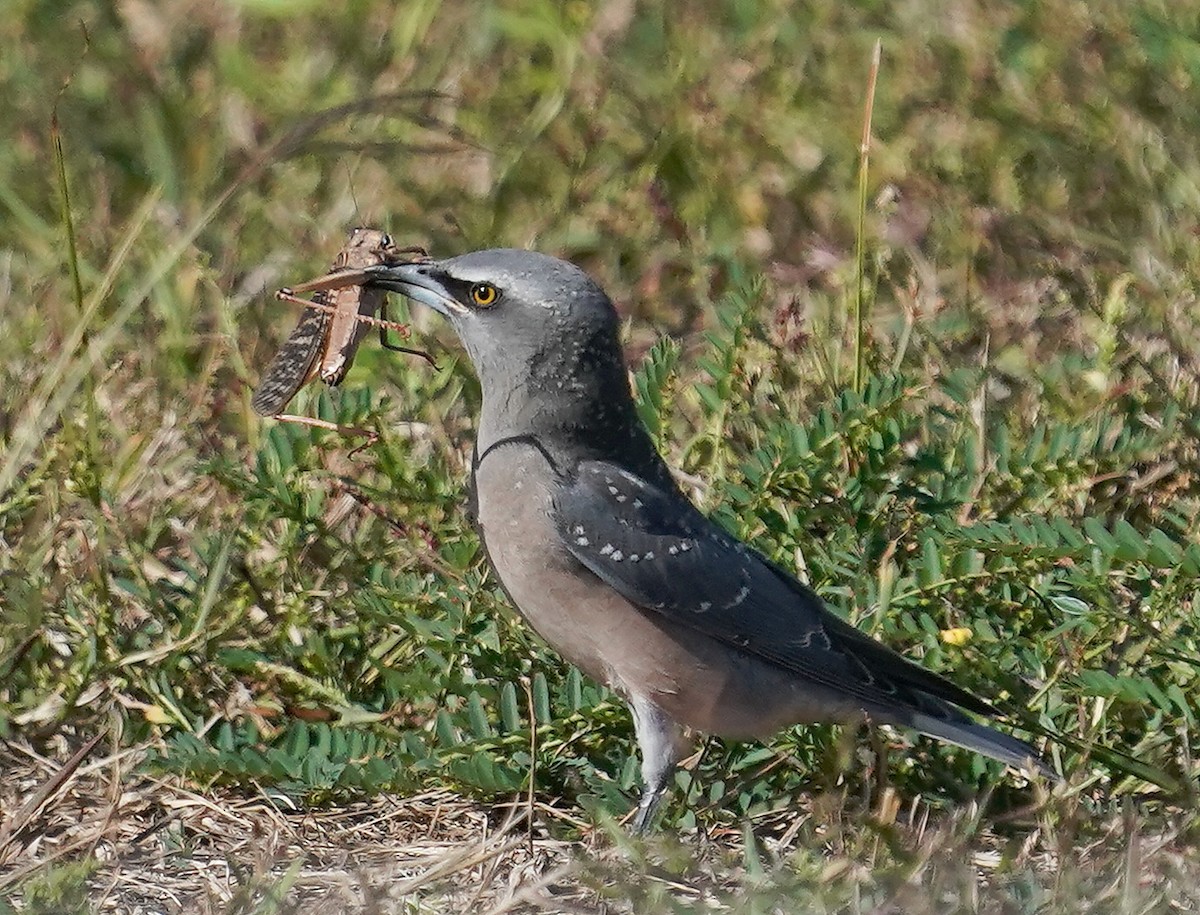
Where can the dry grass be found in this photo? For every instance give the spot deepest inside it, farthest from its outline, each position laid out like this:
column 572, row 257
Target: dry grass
column 158, row 844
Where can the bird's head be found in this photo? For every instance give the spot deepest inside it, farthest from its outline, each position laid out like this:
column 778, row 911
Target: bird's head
column 542, row 335
column 513, row 310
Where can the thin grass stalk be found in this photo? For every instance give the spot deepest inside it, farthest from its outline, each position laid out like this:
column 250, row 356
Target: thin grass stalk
column 64, row 194
column 91, row 446
column 860, row 235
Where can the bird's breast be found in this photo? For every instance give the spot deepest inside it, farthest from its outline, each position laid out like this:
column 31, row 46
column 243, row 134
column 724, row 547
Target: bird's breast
column 514, row 485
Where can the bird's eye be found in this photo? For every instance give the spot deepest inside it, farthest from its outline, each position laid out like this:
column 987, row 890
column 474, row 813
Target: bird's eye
column 386, row 241
column 484, row 294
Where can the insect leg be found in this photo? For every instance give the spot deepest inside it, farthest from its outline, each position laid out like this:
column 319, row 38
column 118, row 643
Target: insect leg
column 383, row 340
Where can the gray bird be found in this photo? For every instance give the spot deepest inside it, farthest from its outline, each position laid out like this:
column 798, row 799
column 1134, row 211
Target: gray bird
column 606, row 558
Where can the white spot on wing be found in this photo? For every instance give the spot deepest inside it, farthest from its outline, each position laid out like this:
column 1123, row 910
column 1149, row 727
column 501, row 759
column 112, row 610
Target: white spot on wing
column 743, row 593
column 634, row 479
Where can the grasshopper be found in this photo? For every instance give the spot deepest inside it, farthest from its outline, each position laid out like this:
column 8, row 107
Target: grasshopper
column 332, row 326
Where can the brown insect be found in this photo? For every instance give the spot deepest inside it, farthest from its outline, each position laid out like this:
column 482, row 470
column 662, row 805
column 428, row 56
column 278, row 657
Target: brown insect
column 332, row 326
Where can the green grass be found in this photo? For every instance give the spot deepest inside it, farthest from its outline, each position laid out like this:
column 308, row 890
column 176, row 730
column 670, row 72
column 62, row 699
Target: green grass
column 1012, row 494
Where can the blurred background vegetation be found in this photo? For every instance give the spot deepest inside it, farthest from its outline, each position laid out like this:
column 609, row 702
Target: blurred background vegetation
column 1012, row 498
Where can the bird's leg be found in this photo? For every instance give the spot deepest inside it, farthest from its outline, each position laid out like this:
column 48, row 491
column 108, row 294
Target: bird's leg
column 660, row 740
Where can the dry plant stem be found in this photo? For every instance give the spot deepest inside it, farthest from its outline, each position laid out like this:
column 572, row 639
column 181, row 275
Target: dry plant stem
column 55, row 783
column 428, row 553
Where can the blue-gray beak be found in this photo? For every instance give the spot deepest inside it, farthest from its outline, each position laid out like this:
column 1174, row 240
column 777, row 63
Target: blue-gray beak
column 415, row 281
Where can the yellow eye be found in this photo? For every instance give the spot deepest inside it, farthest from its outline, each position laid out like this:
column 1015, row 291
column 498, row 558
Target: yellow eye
column 484, row 294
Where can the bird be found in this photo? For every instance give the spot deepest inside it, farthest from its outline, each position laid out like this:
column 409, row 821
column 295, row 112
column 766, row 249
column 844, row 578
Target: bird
column 603, row 554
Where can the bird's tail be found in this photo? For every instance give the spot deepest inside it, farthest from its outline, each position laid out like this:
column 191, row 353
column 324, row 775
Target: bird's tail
column 980, row 738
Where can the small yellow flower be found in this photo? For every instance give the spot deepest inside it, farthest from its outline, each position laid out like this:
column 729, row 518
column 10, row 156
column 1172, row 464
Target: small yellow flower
column 957, row 636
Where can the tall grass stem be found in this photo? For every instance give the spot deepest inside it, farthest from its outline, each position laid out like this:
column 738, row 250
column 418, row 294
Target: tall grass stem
column 860, row 235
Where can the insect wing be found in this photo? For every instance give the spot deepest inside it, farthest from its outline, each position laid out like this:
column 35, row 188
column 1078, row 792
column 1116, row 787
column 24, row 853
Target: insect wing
column 293, row 364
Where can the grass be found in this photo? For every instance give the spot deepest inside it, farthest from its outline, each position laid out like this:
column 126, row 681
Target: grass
column 289, row 655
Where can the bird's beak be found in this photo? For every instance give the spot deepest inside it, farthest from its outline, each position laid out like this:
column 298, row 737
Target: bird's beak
column 418, row 282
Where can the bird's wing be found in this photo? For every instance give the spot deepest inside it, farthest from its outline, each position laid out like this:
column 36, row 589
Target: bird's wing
column 660, row 553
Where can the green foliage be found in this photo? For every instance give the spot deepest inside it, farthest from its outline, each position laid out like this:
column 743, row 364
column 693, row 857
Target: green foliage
column 58, row 890
column 652, row 384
